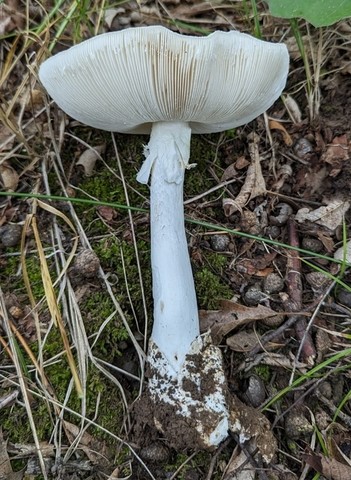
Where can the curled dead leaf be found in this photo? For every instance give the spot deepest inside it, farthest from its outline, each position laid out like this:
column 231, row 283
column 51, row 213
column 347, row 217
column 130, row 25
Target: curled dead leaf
column 254, row 184
column 242, row 341
column 6, row 138
column 330, row 216
column 9, row 177
column 337, row 153
column 89, row 157
column 293, row 109
column 274, row 125
column 328, row 467
column 32, row 100
column 344, row 253
column 232, row 315
column 10, row 16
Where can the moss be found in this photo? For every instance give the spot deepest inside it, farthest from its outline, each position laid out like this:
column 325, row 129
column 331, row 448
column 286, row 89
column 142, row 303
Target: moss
column 210, row 289
column 198, row 180
column 96, row 309
column 110, row 252
column 263, row 372
column 216, row 261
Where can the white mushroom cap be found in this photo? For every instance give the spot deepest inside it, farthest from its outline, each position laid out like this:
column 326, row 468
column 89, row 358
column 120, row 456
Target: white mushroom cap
column 125, row 81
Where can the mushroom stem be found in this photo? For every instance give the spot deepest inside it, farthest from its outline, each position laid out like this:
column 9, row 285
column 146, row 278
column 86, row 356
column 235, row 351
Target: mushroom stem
column 187, row 385
column 176, row 322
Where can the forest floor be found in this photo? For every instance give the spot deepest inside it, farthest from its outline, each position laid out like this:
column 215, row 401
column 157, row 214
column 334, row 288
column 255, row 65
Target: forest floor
column 75, row 280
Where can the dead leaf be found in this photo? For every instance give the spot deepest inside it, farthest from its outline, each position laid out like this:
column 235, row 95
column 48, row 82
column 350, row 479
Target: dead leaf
column 9, row 177
column 274, row 125
column 111, row 14
column 5, row 464
column 229, row 173
column 242, row 162
column 107, row 213
column 232, row 315
column 328, row 467
column 28, row 449
column 10, row 16
column 328, row 242
column 95, row 450
column 336, row 452
column 242, row 341
column 344, row 253
column 293, row 47
column 277, row 360
column 337, row 153
column 330, row 216
column 88, row 158
column 254, row 184
column 260, row 266
column 238, row 468
column 293, row 109
column 6, row 138
column 32, row 100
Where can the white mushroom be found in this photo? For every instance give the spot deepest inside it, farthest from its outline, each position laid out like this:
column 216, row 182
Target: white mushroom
column 152, row 80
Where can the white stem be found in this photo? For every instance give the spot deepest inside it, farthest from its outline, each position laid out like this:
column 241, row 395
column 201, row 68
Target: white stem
column 176, row 322
column 186, row 378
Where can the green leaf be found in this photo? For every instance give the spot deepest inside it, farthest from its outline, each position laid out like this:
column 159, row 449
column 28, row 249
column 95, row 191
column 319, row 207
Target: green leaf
column 318, row 12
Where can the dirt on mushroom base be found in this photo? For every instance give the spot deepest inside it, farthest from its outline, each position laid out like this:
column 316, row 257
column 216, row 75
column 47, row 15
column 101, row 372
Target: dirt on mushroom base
column 181, row 433
column 193, row 402
column 179, row 409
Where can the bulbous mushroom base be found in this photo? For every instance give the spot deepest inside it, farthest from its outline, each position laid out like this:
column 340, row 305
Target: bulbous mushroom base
column 189, row 407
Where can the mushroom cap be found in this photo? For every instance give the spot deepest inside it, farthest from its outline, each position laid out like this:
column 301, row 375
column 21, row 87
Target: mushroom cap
column 125, row 81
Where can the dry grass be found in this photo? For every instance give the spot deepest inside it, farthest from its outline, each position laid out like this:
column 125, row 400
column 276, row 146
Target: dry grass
column 39, row 147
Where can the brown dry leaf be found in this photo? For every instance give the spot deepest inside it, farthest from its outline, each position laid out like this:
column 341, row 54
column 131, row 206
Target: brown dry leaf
column 293, row 47
column 238, row 467
column 277, row 360
column 274, row 125
column 229, row 173
column 10, row 16
column 8, row 177
column 28, row 449
column 242, row 341
column 336, row 452
column 249, row 267
column 5, row 136
column 260, row 267
column 88, row 158
column 5, row 464
column 32, row 100
column 254, row 184
column 107, row 213
column 242, row 162
column 328, row 242
column 330, row 216
column 293, row 109
column 328, row 467
column 337, row 153
column 232, row 315
column 95, row 450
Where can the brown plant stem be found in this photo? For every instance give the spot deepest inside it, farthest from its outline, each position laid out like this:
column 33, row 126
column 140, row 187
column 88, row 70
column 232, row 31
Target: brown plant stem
column 293, row 301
